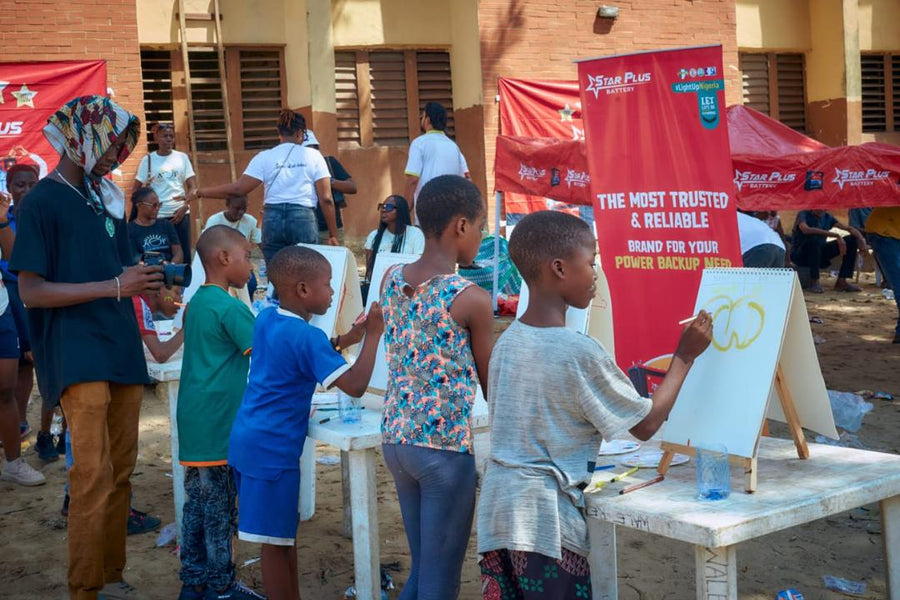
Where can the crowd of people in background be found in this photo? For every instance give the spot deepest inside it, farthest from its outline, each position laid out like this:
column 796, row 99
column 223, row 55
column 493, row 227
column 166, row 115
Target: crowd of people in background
column 80, row 309
column 94, row 300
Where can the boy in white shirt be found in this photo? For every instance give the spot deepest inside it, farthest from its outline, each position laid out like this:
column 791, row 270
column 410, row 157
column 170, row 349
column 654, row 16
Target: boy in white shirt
column 235, row 216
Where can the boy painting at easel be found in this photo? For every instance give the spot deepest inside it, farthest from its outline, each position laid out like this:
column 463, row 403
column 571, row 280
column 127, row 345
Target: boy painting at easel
column 553, row 393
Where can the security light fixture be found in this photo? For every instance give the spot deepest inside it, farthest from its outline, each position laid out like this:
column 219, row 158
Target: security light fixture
column 607, row 12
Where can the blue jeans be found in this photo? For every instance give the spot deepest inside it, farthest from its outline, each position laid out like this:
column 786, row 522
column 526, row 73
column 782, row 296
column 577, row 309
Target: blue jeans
column 764, row 256
column 887, row 251
column 287, row 225
column 208, row 527
column 436, row 489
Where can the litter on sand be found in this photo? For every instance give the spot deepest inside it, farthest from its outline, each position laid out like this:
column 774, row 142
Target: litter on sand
column 844, row 586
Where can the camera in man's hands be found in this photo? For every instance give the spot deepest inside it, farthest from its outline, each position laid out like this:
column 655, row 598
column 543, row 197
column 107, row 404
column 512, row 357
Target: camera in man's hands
column 172, row 274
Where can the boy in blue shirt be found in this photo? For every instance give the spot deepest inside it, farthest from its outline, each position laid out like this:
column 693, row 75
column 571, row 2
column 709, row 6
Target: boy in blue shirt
column 290, row 357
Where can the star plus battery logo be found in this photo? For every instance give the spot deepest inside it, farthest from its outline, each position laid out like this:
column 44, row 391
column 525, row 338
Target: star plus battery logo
column 10, row 128
column 615, row 84
column 577, row 178
column 527, row 172
column 762, row 181
column 859, row 178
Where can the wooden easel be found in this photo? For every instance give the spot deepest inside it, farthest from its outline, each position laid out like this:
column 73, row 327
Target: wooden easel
column 749, row 464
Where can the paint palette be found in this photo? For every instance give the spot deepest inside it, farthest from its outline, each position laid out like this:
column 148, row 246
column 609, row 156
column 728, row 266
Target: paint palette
column 613, row 447
column 649, row 459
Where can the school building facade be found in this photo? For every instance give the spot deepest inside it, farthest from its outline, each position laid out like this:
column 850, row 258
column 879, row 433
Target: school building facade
column 360, row 70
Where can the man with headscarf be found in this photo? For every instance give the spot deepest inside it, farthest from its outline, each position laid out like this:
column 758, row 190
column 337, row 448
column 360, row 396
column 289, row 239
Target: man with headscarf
column 77, row 277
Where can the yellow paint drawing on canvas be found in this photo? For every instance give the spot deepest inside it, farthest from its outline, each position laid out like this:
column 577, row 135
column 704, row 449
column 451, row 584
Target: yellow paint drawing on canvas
column 736, row 323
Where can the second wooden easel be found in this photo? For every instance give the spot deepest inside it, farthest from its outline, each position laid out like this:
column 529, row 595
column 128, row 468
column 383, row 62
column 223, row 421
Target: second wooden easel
column 749, row 464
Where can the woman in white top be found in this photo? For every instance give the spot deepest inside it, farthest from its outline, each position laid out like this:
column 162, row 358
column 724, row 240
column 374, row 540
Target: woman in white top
column 395, row 233
column 295, row 178
column 171, row 175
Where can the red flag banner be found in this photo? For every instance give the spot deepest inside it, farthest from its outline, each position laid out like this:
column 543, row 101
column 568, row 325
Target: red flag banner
column 551, row 168
column 539, row 109
column 29, row 93
column 661, row 180
column 532, row 108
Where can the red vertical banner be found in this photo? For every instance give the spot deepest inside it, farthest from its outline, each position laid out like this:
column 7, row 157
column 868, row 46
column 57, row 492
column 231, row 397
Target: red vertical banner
column 662, row 188
column 29, row 93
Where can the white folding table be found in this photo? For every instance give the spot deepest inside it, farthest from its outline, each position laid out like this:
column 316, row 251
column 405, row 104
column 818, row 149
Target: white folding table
column 791, row 492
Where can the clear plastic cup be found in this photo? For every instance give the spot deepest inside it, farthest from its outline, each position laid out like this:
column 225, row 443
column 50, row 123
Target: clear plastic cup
column 713, row 472
column 349, row 408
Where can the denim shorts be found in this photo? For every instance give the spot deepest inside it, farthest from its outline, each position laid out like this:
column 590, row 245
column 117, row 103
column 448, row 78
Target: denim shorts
column 9, row 337
column 286, row 225
column 20, row 316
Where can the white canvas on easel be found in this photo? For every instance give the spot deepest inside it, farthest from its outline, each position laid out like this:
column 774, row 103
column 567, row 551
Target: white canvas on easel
column 595, row 321
column 383, row 262
column 762, row 349
column 346, row 305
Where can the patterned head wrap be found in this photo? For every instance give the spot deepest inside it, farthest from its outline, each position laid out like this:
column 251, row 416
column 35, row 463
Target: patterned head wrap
column 85, row 128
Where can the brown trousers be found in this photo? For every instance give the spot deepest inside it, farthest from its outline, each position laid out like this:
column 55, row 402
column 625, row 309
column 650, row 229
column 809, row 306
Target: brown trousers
column 103, row 423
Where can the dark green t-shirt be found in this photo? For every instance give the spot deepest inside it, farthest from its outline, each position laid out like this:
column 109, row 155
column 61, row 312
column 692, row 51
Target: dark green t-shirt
column 218, row 334
column 62, row 239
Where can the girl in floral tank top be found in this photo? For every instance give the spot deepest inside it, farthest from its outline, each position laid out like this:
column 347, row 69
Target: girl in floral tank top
column 432, row 384
column 438, row 336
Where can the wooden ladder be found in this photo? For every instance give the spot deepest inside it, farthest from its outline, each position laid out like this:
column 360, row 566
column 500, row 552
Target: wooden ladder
column 215, row 17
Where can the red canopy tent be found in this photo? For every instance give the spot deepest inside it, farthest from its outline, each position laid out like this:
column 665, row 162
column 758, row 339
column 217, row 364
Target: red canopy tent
column 776, row 168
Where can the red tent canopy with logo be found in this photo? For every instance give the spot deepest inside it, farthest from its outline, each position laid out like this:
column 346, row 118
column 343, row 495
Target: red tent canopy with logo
column 541, row 153
column 777, row 168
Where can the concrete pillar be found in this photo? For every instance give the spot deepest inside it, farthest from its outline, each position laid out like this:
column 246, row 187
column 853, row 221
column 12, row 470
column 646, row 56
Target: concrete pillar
column 833, row 85
column 321, row 74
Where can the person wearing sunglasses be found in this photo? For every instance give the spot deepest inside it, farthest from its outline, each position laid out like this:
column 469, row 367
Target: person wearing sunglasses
column 395, row 232
column 147, row 232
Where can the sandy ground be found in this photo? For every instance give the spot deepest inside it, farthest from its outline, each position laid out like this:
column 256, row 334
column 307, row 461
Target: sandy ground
column 855, row 355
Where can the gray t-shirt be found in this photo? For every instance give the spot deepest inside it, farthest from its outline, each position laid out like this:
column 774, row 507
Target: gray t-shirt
column 553, row 393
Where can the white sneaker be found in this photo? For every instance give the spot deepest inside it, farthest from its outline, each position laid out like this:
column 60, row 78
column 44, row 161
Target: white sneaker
column 119, row 590
column 19, row 471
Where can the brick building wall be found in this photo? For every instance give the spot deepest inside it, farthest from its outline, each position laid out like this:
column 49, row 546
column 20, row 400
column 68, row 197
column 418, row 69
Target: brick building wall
column 539, row 39
column 47, row 30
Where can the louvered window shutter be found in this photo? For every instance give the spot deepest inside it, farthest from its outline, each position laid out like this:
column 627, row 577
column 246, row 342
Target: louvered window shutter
column 389, row 110
column 209, row 111
column 791, row 99
column 261, row 97
column 435, row 83
column 347, row 97
column 156, row 74
column 874, row 93
column 755, row 81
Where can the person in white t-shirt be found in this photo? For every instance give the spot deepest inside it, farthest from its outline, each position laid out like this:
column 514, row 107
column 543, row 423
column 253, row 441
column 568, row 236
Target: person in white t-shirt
column 235, row 216
column 432, row 154
column 761, row 246
column 171, row 175
column 295, row 178
column 395, row 233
